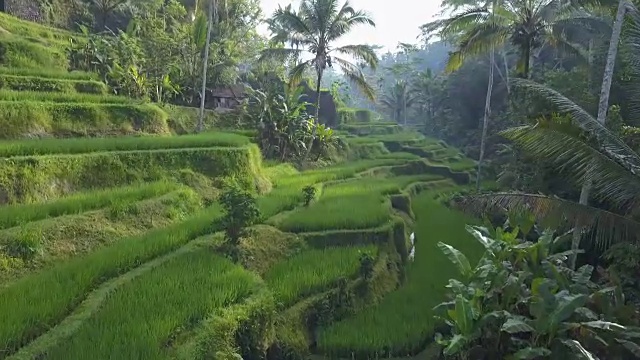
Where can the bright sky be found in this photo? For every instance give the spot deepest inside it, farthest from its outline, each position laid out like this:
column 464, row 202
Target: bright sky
column 396, row 20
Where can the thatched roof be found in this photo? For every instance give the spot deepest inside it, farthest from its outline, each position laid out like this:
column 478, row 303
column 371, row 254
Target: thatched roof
column 230, row 92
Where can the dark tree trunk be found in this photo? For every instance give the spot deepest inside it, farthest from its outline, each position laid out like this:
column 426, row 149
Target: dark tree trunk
column 2, row 6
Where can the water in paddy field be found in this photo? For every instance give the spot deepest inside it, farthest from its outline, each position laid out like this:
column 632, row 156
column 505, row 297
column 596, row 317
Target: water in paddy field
column 412, row 253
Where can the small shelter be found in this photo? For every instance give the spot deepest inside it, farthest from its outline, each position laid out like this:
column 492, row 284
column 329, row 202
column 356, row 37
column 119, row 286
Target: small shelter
column 228, row 97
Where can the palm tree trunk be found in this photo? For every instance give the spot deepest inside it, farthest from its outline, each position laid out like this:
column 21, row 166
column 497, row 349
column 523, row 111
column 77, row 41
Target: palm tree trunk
column 317, row 119
column 205, row 65
column 404, row 110
column 487, row 114
column 603, row 107
column 506, row 70
column 527, row 60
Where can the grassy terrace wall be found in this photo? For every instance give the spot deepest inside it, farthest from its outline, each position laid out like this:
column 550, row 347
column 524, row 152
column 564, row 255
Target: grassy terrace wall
column 27, row 118
column 43, row 84
column 34, row 178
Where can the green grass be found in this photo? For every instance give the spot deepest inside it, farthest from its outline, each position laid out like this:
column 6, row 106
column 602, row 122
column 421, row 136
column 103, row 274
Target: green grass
column 404, row 320
column 48, row 73
column 60, row 97
column 131, row 143
column 313, row 270
column 140, row 316
column 288, row 183
column 26, row 28
column 41, row 84
column 20, row 119
column 399, row 137
column 14, row 215
column 59, row 290
column 355, row 204
column 21, row 52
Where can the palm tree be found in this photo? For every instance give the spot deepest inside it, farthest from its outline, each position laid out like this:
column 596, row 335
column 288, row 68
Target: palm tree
column 587, row 153
column 316, row 27
column 205, row 62
column 398, row 99
column 527, row 25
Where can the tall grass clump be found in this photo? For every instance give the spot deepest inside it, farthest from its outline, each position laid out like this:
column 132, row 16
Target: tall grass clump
column 403, row 322
column 314, row 270
column 14, row 215
column 140, row 316
column 130, row 143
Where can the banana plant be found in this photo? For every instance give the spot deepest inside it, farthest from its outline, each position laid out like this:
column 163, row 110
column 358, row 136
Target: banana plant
column 522, row 301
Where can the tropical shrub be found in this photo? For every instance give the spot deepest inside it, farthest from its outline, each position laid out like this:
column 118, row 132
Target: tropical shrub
column 522, row 301
column 283, row 124
column 309, row 193
column 241, row 212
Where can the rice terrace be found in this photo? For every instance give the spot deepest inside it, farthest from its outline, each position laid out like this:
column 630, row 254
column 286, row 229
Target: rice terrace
column 287, row 215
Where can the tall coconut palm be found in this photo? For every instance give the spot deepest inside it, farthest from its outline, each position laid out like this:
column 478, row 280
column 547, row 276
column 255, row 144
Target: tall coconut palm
column 316, row 27
column 527, row 25
column 398, row 99
column 603, row 104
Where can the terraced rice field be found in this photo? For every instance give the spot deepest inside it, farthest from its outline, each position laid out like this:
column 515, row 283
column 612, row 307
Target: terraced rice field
column 403, row 323
column 117, row 238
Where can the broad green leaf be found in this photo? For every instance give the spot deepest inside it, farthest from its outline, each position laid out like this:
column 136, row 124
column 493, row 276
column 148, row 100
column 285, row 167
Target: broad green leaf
column 464, row 315
column 457, row 287
column 452, row 315
column 583, row 274
column 456, row 257
column 581, row 351
column 587, row 313
column 631, row 346
column 531, row 353
column 486, row 241
column 566, row 308
column 515, row 325
column 604, row 325
column 455, row 345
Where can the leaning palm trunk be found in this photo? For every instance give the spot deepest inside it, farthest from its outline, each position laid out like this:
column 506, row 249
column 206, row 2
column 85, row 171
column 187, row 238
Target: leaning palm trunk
column 485, row 121
column 205, row 64
column 603, row 107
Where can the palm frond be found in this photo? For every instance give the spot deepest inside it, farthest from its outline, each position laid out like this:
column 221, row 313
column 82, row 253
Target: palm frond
column 610, row 143
column 360, row 52
column 478, row 40
column 460, row 22
column 354, row 74
column 279, row 54
column 292, row 22
column 296, row 74
column 606, row 227
column 580, row 163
